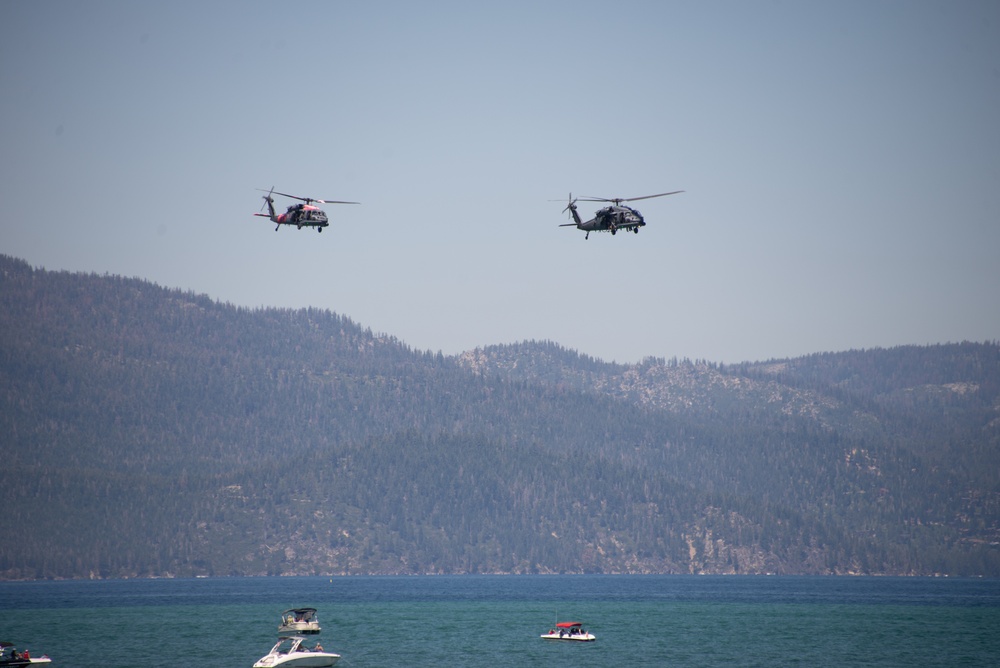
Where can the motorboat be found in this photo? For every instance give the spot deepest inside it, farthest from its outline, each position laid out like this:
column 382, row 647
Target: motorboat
column 290, row 652
column 569, row 631
column 298, row 621
column 10, row 657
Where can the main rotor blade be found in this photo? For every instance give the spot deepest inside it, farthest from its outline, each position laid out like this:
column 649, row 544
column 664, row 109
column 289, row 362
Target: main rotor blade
column 635, row 199
column 307, row 199
column 272, row 191
column 619, row 200
column 304, row 199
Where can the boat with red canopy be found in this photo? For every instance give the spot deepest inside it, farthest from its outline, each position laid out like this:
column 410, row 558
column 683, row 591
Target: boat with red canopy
column 569, row 631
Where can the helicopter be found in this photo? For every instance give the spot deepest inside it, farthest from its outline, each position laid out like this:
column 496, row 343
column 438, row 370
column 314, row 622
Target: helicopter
column 300, row 215
column 610, row 218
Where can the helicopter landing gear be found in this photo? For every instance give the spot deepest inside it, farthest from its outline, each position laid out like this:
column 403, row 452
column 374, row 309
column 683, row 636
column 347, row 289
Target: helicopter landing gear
column 636, row 230
column 319, row 229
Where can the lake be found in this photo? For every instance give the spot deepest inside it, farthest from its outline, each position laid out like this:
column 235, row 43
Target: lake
column 474, row 621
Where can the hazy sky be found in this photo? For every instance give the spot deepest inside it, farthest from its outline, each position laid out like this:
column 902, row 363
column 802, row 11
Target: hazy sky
column 841, row 162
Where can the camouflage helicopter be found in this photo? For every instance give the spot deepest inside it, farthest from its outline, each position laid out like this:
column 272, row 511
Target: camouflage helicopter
column 300, row 215
column 610, row 218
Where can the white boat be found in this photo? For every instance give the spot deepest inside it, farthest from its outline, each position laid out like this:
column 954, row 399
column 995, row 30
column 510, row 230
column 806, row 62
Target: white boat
column 11, row 658
column 299, row 620
column 289, row 651
column 569, row 631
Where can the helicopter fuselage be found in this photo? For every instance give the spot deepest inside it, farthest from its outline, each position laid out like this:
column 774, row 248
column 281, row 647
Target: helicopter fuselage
column 614, row 218
column 303, row 215
column 610, row 219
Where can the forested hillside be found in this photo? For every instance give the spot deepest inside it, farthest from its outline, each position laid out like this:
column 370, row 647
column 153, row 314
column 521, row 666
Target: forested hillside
column 151, row 432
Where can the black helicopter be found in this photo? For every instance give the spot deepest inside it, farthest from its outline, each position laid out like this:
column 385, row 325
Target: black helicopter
column 610, row 218
column 300, row 215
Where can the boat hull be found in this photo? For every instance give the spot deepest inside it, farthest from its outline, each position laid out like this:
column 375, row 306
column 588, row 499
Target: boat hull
column 298, row 660
column 579, row 637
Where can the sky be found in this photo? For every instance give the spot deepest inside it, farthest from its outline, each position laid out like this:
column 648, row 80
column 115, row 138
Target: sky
column 840, row 163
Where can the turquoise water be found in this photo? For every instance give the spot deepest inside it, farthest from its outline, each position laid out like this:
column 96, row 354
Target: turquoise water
column 477, row 621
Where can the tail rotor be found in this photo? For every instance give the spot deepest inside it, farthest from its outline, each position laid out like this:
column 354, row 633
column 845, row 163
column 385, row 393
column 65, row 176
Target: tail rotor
column 269, row 203
column 267, row 198
column 574, row 216
column 571, row 207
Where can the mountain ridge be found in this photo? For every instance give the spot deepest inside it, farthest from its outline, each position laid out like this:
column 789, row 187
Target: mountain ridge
column 154, row 432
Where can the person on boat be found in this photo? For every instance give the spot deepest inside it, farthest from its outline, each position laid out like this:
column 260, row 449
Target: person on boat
column 318, row 648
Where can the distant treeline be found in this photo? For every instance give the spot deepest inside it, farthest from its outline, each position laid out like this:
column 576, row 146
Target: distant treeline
column 153, row 432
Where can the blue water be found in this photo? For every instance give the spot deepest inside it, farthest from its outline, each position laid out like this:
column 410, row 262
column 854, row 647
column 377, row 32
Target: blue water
column 476, row 621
